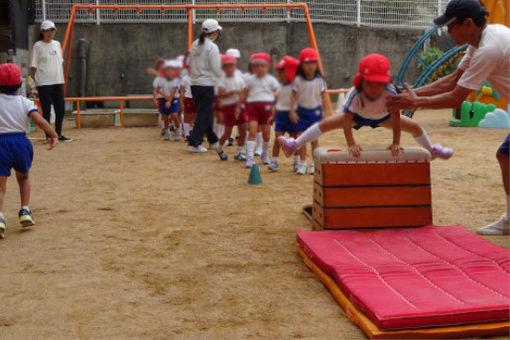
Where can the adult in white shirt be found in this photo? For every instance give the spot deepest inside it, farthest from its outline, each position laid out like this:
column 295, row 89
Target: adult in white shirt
column 487, row 58
column 205, row 71
column 46, row 67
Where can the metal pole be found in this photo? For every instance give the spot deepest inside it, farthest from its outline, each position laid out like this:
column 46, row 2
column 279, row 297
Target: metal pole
column 98, row 14
column 439, row 7
column 288, row 12
column 43, row 7
column 193, row 14
column 358, row 13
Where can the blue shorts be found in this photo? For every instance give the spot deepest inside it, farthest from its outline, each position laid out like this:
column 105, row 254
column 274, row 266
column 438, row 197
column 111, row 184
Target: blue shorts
column 373, row 123
column 174, row 107
column 504, row 148
column 308, row 117
column 16, row 152
column 283, row 124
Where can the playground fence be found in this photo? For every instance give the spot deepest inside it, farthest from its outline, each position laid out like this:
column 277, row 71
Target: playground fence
column 416, row 14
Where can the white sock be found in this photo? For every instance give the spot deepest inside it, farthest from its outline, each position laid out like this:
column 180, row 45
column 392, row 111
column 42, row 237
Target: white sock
column 311, row 134
column 424, row 140
column 1, row 215
column 250, row 148
column 266, row 146
column 221, row 129
column 275, row 159
column 162, row 123
column 239, row 150
column 260, row 140
column 25, row 207
column 185, row 126
column 297, row 159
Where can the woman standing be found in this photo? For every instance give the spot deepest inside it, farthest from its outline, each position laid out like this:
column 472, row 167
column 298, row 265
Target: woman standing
column 49, row 75
column 205, row 71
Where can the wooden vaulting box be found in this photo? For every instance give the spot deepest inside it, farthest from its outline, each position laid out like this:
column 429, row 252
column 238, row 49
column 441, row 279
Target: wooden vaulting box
column 373, row 191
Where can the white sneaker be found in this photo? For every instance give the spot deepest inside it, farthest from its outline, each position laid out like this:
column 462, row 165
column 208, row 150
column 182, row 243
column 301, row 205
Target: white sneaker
column 258, row 151
column 500, row 227
column 214, row 146
column 302, row 167
column 295, row 166
column 311, row 169
column 249, row 162
column 177, row 137
column 196, row 149
column 166, row 136
column 273, row 166
column 265, row 159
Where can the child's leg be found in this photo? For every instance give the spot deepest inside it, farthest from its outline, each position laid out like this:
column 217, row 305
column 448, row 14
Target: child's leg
column 410, row 126
column 241, row 130
column 3, row 187
column 225, row 136
column 24, row 188
column 277, row 145
column 186, row 125
column 166, row 121
column 175, row 119
column 317, row 129
column 253, row 128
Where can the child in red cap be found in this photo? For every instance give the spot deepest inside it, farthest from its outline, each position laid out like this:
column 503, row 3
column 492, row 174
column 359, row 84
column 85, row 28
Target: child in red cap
column 16, row 151
column 230, row 89
column 366, row 106
column 156, row 96
column 186, row 101
column 169, row 105
column 309, row 93
column 260, row 90
column 286, row 69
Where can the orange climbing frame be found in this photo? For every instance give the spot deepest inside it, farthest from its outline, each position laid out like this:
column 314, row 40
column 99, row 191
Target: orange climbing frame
column 68, row 38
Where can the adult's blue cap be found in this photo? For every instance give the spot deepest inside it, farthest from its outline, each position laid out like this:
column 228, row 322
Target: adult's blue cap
column 461, row 9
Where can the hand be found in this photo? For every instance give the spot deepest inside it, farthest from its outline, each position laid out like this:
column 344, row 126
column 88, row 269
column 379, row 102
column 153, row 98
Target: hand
column 293, row 117
column 271, row 120
column 167, row 104
column 404, row 100
column 395, row 149
column 237, row 113
column 355, row 150
column 52, row 142
column 155, row 102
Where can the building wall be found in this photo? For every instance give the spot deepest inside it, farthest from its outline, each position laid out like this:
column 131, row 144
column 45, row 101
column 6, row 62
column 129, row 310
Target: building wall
column 118, row 55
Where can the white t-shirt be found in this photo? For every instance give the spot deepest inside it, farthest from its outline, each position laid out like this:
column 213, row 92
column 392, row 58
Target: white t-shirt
column 261, row 89
column 359, row 103
column 234, row 83
column 47, row 58
column 155, row 84
column 490, row 61
column 167, row 85
column 309, row 91
column 14, row 111
column 186, row 83
column 283, row 97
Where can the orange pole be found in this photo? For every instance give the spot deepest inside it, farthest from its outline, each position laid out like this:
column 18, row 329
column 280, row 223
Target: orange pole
column 68, row 42
column 122, row 113
column 78, row 120
column 190, row 28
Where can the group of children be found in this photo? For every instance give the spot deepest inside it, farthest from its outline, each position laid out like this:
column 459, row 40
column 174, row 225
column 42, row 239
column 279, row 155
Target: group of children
column 293, row 101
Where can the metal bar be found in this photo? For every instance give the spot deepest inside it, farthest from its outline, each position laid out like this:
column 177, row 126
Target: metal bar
column 78, row 120
column 43, row 7
column 190, row 28
column 358, row 13
column 122, row 113
column 68, row 59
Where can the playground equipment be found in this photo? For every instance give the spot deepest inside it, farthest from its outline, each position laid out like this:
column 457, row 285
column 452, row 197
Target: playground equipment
column 68, row 37
column 434, row 70
column 497, row 119
column 471, row 114
column 374, row 190
column 423, row 282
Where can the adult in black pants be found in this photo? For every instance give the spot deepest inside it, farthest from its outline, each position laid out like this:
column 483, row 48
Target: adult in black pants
column 48, row 74
column 205, row 71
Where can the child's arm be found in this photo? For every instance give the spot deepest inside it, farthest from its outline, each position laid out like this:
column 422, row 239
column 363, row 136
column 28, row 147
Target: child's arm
column 395, row 146
column 155, row 92
column 293, row 115
column 181, row 98
column 325, row 104
column 152, row 72
column 354, row 149
column 224, row 94
column 43, row 124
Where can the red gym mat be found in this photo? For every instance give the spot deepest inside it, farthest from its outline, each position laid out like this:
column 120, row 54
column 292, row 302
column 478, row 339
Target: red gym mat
column 416, row 278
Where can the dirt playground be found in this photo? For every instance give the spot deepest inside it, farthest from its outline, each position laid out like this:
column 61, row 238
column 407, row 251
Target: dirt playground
column 137, row 239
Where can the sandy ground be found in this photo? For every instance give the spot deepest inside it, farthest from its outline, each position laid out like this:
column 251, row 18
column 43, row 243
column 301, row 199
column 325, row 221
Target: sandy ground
column 137, row 239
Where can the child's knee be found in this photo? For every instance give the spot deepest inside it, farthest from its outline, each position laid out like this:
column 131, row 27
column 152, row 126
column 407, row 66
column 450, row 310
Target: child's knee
column 501, row 157
column 20, row 176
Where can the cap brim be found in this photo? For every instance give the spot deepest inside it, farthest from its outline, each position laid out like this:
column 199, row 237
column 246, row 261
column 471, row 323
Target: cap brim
column 378, row 79
column 443, row 20
column 219, row 28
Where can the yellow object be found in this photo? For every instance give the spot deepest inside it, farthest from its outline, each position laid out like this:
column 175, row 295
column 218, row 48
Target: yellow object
column 373, row 332
column 486, row 91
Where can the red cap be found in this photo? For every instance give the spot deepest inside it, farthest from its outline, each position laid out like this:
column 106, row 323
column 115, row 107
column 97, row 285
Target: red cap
column 228, row 59
column 290, row 65
column 374, row 67
column 260, row 58
column 308, row 54
column 10, row 75
column 159, row 62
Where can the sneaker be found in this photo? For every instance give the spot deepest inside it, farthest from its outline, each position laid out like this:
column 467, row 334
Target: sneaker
column 265, row 159
column 500, row 227
column 295, row 166
column 273, row 166
column 439, row 151
column 177, row 137
column 223, row 155
column 230, row 141
column 166, row 136
column 25, row 218
column 289, row 145
column 162, row 132
column 311, row 169
column 63, row 138
column 214, row 146
column 196, row 149
column 301, row 170
column 258, row 151
column 240, row 157
column 249, row 163
column 2, row 228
